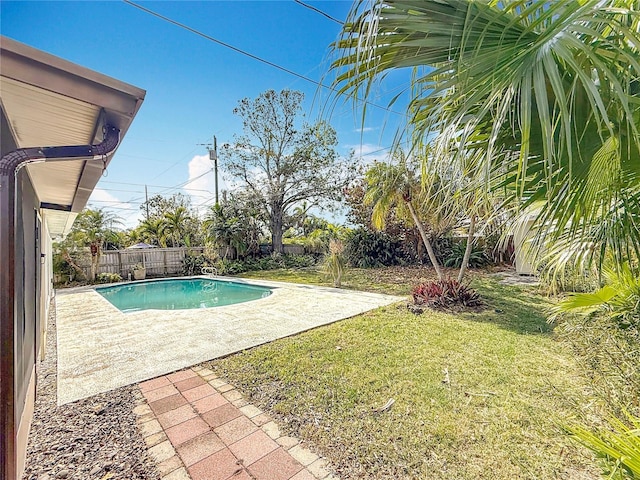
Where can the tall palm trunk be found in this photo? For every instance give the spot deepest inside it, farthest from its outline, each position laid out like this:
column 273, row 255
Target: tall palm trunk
column 74, row 265
column 95, row 261
column 467, row 251
column 425, row 240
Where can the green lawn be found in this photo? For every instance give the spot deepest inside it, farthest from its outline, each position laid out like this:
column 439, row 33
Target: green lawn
column 477, row 395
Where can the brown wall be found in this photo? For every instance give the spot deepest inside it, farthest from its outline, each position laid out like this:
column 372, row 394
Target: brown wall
column 27, row 301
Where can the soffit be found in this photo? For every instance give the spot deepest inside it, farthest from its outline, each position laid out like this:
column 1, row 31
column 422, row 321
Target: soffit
column 49, row 101
column 40, row 117
column 58, row 223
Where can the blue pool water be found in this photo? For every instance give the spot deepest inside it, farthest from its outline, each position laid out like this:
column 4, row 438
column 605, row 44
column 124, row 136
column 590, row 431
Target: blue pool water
column 180, row 294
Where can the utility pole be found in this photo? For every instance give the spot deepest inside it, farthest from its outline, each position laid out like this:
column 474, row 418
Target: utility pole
column 213, row 156
column 146, row 198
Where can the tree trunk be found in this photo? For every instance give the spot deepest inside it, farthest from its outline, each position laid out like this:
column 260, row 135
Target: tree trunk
column 467, row 251
column 73, row 264
column 276, row 232
column 425, row 240
column 95, row 263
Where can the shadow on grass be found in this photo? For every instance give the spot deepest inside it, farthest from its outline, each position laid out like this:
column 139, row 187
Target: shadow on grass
column 511, row 307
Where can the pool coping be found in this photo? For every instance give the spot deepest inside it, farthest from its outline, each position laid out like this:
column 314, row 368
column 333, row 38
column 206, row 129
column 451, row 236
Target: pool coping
column 117, row 285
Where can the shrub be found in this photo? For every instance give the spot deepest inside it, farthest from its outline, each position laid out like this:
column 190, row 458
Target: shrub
column 442, row 245
column 192, row 264
column 568, row 278
column 478, row 257
column 444, row 294
column 299, row 261
column 230, row 267
column 335, row 263
column 609, row 353
column 108, row 278
column 270, row 262
column 365, row 249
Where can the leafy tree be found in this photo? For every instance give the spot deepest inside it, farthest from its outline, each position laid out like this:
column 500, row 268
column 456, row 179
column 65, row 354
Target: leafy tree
column 546, row 91
column 283, row 161
column 158, row 205
column 465, row 201
column 93, row 229
column 170, row 220
column 233, row 225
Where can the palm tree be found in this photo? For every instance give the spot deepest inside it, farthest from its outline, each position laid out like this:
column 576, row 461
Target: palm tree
column 546, row 91
column 174, row 225
column 152, row 230
column 226, row 230
column 93, row 227
column 389, row 186
column 462, row 197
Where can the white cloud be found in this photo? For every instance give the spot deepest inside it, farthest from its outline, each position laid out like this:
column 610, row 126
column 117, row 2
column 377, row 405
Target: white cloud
column 127, row 212
column 201, row 186
column 365, row 129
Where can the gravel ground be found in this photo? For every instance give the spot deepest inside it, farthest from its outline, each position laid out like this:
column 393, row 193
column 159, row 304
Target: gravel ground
column 93, row 438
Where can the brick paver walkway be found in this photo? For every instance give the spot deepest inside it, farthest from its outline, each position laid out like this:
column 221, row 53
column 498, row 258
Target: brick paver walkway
column 199, row 427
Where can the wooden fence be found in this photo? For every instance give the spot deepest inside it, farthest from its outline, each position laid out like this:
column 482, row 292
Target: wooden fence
column 159, row 262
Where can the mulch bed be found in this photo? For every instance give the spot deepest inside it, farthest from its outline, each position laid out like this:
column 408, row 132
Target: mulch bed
column 93, row 438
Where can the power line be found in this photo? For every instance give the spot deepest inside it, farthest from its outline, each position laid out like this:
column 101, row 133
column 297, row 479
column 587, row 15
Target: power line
column 142, row 191
column 317, row 10
column 250, row 55
column 143, row 184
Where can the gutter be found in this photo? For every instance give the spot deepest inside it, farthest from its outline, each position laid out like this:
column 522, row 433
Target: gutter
column 10, row 165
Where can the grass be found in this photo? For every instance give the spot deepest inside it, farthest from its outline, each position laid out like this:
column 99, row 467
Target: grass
column 477, row 395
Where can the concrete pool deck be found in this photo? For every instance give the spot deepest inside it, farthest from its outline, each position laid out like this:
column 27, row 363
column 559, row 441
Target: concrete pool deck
column 101, row 348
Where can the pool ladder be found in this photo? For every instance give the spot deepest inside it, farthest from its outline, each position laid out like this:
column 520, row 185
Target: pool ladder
column 210, row 271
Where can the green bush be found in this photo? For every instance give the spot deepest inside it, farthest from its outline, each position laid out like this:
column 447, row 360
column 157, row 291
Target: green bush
column 231, row 267
column 270, row 262
column 478, row 257
column 365, row 249
column 192, row 264
column 108, row 278
column 609, row 353
column 568, row 279
column 442, row 247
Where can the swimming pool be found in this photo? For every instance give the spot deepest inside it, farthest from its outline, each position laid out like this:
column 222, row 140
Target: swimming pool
column 180, row 294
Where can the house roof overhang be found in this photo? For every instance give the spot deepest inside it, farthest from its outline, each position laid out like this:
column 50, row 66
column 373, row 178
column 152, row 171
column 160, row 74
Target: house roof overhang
column 48, row 101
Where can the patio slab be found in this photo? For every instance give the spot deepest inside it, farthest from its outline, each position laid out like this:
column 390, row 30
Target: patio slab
column 101, row 348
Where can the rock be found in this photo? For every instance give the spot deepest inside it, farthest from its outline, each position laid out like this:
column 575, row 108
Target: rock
column 95, row 470
column 64, row 473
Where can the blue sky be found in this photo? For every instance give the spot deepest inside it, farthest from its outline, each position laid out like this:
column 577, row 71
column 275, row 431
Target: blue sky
column 193, row 84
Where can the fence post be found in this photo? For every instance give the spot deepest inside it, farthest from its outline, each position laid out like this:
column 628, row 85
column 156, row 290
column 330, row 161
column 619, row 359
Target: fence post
column 164, row 262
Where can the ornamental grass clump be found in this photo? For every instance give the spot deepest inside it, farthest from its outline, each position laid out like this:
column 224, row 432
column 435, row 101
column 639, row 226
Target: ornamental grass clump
column 335, row 262
column 446, row 294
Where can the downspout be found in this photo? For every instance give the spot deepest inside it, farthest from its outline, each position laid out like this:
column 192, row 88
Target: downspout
column 10, row 165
